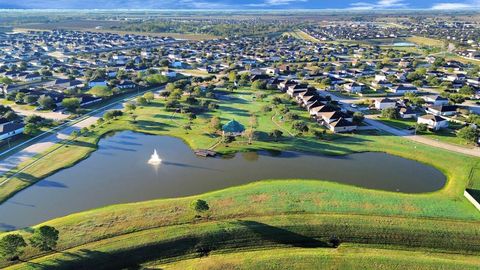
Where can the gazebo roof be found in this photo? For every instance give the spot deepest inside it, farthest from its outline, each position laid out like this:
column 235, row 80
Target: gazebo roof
column 233, row 127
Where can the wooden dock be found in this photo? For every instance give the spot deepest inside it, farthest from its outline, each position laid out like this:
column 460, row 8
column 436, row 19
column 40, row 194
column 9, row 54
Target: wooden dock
column 205, row 153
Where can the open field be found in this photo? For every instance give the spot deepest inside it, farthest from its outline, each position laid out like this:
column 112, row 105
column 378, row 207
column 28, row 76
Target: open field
column 424, row 41
column 263, row 214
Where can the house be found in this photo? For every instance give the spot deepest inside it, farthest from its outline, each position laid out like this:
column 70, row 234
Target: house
column 97, row 82
column 169, row 73
column 354, row 87
column 402, row 89
column 341, row 125
column 31, row 77
column 330, row 117
column 296, row 89
column 272, row 71
column 436, row 100
column 443, row 110
column 317, row 111
column 233, row 128
column 407, row 113
column 9, row 129
column 434, row 122
column 126, row 84
column 385, row 103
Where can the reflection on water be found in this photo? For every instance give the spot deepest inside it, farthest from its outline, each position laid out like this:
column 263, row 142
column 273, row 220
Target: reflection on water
column 118, row 173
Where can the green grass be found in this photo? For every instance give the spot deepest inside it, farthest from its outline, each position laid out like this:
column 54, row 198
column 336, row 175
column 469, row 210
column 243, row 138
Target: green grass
column 399, row 123
column 345, row 257
column 426, row 41
column 155, row 230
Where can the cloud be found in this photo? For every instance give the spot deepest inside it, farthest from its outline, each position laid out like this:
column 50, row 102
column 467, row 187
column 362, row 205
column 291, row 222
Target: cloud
column 381, row 4
column 457, row 5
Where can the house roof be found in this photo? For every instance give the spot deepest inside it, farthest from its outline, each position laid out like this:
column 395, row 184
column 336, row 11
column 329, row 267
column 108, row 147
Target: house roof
column 432, row 117
column 341, row 122
column 233, row 127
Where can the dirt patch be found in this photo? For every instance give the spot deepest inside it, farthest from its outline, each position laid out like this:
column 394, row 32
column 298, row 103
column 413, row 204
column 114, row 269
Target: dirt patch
column 259, row 198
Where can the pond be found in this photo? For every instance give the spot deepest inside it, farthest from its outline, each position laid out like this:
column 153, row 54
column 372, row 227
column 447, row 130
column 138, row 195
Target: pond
column 118, row 172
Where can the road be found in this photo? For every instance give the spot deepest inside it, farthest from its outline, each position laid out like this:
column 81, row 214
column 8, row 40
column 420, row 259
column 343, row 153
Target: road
column 369, row 119
column 45, row 143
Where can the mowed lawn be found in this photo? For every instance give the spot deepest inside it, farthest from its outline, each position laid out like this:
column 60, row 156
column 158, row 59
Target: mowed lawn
column 313, row 209
column 346, row 257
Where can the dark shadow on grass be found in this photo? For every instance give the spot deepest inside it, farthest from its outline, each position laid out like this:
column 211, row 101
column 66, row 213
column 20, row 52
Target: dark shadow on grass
column 281, row 236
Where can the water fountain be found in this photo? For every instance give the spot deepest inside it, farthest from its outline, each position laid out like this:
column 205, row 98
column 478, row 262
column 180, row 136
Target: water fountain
column 154, row 159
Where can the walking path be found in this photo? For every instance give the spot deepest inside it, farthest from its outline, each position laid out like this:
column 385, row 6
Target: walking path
column 405, row 134
column 59, row 134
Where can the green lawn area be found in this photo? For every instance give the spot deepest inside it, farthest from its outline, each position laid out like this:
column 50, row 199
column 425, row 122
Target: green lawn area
column 399, row 123
column 265, row 214
column 447, row 135
column 345, row 257
column 426, row 41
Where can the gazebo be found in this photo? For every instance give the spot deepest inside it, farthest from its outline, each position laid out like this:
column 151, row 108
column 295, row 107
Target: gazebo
column 233, row 128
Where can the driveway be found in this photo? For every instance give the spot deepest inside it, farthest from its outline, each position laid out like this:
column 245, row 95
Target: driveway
column 346, row 102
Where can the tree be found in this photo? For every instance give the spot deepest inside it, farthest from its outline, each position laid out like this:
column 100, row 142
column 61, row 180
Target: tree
column 200, row 206
column 456, row 98
column 45, row 102
column 232, row 76
column 259, row 84
column 214, row 124
column 11, row 246
column 44, row 238
column 276, row 100
column 390, row 113
column 130, row 106
column 419, row 128
column 19, row 97
column 469, row 134
column 300, row 126
column 134, row 118
column 358, row 117
column 30, row 99
column 71, row 104
column 30, row 129
column 149, row 96
column 275, row 134
column 466, row 90
column 141, row 101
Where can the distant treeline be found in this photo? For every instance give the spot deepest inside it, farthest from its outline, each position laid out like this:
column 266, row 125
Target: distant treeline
column 248, row 28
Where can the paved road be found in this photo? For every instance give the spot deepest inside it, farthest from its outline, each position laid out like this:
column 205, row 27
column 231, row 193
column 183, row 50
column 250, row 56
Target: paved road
column 44, row 144
column 369, row 119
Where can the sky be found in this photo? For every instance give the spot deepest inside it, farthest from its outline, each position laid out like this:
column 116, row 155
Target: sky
column 242, row 4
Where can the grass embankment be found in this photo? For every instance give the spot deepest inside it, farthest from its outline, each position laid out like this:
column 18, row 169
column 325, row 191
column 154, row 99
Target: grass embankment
column 249, row 216
column 346, row 257
column 165, row 230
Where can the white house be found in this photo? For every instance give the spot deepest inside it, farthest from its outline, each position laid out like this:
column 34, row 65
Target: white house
column 354, row 87
column 97, row 82
column 433, row 121
column 402, row 89
column 443, row 110
column 10, row 128
column 436, row 100
column 385, row 103
column 169, row 73
column 341, row 125
column 407, row 113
